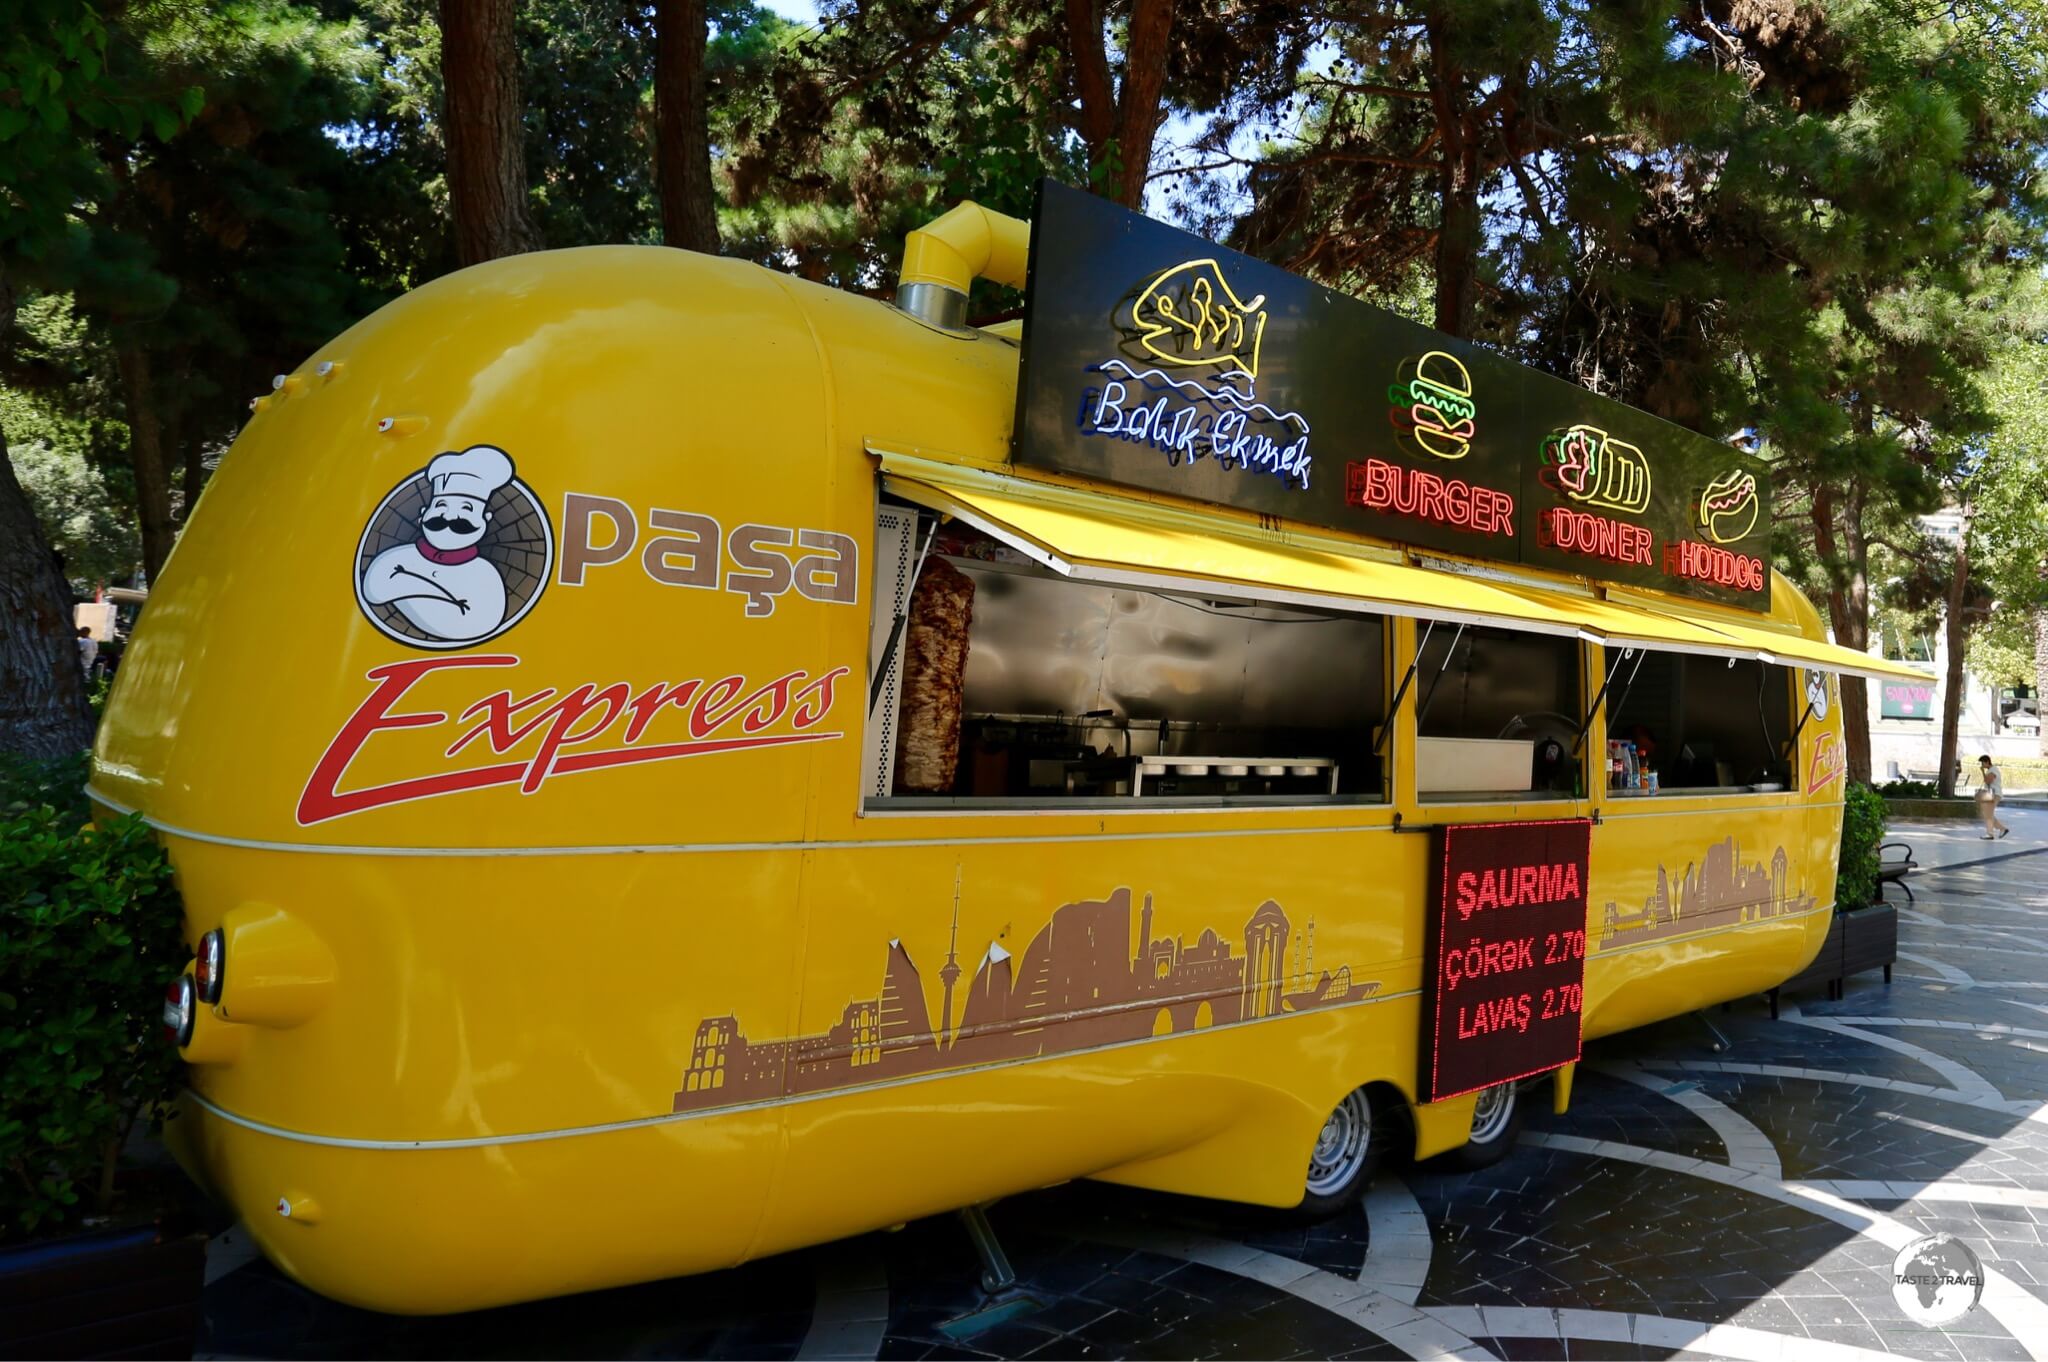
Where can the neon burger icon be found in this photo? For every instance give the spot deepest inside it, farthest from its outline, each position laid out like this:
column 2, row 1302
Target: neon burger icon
column 1729, row 507
column 1434, row 407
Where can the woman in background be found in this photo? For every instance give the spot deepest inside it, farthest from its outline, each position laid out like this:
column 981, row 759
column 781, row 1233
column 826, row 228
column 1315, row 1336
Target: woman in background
column 1988, row 794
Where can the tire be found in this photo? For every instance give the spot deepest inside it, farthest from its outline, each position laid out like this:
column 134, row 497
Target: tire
column 1496, row 1122
column 1346, row 1155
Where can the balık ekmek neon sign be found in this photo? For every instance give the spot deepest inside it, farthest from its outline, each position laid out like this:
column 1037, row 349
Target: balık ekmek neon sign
column 1157, row 360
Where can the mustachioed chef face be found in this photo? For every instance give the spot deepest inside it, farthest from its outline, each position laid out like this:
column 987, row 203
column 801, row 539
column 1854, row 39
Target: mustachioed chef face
column 462, row 485
column 453, row 521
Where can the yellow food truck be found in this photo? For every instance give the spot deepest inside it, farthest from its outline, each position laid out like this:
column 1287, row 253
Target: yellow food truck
column 667, row 763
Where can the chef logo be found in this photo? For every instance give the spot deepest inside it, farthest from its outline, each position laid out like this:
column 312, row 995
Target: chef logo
column 456, row 553
column 1817, row 693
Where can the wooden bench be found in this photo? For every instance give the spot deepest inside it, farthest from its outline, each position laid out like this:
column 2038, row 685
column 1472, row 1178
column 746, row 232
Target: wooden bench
column 1895, row 862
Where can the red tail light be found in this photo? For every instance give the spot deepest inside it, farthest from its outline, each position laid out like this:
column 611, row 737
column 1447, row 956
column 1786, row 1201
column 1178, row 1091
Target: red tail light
column 210, row 973
column 180, row 1006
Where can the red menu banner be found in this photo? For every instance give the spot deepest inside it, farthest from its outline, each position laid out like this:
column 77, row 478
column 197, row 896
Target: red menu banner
column 1505, row 972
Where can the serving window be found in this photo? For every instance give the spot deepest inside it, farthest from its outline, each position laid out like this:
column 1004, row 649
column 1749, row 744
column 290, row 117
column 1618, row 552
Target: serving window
column 1701, row 724
column 1014, row 685
column 1497, row 714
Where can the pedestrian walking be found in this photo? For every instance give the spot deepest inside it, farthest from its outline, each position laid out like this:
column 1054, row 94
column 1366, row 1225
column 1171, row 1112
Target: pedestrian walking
column 88, row 649
column 1988, row 794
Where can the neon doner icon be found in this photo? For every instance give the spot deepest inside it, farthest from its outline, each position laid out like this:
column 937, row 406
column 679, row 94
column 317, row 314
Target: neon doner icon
column 1593, row 468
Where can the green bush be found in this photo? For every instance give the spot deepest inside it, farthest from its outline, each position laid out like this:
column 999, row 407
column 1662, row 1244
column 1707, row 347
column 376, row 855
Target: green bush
column 58, row 784
column 1863, row 815
column 1909, row 789
column 89, row 935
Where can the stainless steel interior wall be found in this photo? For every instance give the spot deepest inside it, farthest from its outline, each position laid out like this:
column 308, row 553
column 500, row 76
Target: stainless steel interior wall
column 1044, row 646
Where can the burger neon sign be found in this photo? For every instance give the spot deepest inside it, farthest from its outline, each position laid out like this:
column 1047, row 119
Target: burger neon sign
column 1433, row 406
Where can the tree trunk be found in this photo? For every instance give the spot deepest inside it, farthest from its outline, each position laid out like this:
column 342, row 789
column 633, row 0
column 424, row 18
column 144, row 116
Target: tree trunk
column 1848, row 601
column 192, row 456
column 1118, row 129
column 42, row 688
column 195, row 476
column 1954, row 633
column 1458, row 236
column 1854, row 632
column 682, row 136
column 146, row 458
column 481, row 119
column 1088, row 64
column 2041, row 674
column 1138, row 107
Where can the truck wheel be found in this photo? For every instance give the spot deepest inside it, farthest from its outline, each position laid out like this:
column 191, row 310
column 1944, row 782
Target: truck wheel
column 1346, row 1155
column 1496, row 1121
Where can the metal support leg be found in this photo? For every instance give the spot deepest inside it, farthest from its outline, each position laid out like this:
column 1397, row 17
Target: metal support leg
column 1720, row 1046
column 996, row 1272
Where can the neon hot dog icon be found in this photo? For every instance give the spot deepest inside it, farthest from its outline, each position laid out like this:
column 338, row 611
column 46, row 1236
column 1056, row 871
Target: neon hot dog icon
column 1729, row 507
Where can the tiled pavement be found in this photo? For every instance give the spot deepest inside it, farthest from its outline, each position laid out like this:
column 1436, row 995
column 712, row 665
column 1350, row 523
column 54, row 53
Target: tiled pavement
column 1745, row 1204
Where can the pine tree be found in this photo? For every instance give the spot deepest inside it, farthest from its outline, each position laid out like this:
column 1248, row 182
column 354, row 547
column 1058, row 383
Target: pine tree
column 689, row 214
column 64, row 60
column 481, row 121
column 233, row 213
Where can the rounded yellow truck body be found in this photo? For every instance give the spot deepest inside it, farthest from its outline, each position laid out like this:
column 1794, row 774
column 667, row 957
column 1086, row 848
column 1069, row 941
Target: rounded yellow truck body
column 561, row 952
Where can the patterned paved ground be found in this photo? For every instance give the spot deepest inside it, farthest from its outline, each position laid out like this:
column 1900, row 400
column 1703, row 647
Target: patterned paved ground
column 1746, row 1204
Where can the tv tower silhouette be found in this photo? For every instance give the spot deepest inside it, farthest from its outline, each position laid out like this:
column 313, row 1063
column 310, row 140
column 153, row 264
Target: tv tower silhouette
column 949, row 973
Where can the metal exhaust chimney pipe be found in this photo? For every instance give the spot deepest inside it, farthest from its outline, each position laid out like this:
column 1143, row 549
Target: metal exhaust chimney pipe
column 943, row 258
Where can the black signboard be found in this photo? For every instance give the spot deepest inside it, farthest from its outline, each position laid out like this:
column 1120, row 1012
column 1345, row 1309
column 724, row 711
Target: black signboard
column 1505, row 968
column 1155, row 359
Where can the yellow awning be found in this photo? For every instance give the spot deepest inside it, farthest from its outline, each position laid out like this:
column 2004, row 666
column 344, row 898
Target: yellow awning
column 1130, row 541
column 1624, row 626
column 1779, row 641
column 1797, row 650
column 1122, row 541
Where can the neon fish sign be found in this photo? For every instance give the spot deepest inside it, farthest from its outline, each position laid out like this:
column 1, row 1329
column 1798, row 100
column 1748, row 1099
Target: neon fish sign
column 1190, row 315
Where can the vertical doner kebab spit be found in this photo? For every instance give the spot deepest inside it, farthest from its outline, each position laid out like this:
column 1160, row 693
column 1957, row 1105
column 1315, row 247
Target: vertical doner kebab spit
column 934, row 680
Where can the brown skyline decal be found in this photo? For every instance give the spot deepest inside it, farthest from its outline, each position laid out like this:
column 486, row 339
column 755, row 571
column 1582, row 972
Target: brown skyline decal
column 1077, row 986
column 1720, row 891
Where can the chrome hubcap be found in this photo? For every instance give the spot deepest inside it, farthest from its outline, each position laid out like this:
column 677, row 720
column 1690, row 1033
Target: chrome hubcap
column 1341, row 1148
column 1491, row 1113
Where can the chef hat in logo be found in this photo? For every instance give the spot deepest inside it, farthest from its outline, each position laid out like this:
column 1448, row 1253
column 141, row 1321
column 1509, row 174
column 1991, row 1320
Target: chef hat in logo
column 476, row 472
